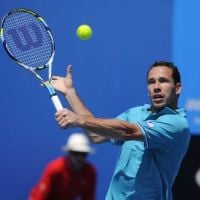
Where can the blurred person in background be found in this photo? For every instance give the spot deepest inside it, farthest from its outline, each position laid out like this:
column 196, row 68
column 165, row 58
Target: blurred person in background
column 70, row 176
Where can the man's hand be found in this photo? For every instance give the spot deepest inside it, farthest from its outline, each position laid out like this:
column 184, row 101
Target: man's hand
column 64, row 84
column 67, row 118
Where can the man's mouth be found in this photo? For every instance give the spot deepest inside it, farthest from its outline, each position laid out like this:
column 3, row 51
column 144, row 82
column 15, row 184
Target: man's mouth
column 158, row 98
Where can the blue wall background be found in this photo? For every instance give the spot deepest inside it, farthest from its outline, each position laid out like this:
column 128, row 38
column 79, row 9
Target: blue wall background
column 185, row 53
column 109, row 72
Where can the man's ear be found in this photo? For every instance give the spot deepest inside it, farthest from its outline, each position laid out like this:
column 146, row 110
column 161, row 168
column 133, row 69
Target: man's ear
column 148, row 92
column 178, row 88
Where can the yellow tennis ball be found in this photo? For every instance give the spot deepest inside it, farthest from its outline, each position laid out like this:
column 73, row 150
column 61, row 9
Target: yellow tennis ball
column 84, row 32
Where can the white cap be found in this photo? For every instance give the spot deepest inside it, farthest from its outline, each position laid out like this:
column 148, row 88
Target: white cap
column 78, row 142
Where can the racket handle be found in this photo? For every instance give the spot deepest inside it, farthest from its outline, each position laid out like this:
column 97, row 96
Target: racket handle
column 56, row 102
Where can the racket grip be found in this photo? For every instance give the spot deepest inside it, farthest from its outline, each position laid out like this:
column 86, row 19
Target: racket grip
column 56, row 102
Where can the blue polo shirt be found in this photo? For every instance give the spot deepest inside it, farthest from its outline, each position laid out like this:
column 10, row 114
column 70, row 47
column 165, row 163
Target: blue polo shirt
column 146, row 170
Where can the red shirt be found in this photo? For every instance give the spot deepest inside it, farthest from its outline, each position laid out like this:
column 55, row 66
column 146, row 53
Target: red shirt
column 60, row 182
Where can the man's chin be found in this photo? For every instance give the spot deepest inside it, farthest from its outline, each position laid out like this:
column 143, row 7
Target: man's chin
column 158, row 107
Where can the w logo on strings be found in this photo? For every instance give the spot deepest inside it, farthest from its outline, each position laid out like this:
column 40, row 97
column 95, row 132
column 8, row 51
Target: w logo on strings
column 26, row 37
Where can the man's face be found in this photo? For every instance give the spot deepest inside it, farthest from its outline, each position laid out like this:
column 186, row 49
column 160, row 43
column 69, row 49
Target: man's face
column 162, row 89
column 77, row 159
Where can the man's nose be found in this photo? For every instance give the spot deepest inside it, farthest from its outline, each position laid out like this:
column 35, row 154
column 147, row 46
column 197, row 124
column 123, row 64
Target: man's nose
column 157, row 87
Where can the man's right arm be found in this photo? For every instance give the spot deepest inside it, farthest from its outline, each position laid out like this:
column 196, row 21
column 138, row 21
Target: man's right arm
column 65, row 86
column 43, row 188
column 78, row 107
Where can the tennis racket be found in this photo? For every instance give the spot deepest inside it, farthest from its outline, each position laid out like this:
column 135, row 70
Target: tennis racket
column 29, row 42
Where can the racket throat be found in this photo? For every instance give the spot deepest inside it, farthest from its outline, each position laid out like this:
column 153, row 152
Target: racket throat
column 51, row 90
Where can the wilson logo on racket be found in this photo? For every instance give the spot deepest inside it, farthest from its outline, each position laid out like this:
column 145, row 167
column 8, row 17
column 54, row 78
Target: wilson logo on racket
column 28, row 41
column 26, row 37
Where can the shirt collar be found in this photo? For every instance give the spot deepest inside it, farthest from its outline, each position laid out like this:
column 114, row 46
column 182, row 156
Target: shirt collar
column 147, row 110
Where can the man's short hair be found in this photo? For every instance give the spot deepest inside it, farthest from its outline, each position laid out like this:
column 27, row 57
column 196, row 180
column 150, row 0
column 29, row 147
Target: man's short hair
column 175, row 72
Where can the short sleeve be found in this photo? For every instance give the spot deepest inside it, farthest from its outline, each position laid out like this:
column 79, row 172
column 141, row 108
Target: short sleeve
column 165, row 132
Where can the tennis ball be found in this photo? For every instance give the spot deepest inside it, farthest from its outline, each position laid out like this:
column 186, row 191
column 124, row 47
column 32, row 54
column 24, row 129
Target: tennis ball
column 84, row 32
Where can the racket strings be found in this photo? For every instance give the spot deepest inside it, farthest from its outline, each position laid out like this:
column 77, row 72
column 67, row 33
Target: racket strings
column 27, row 39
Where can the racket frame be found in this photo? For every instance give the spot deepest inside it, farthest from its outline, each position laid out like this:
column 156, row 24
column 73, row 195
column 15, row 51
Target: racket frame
column 48, row 84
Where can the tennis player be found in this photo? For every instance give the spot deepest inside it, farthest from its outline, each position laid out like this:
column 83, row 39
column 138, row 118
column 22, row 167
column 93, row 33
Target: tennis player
column 68, row 177
column 154, row 137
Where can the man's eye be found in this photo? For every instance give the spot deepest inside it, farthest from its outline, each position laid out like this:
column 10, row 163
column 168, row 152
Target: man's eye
column 151, row 82
column 162, row 80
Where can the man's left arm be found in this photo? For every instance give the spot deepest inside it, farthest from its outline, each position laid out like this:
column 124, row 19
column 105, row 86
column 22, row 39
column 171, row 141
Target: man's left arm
column 90, row 189
column 110, row 128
